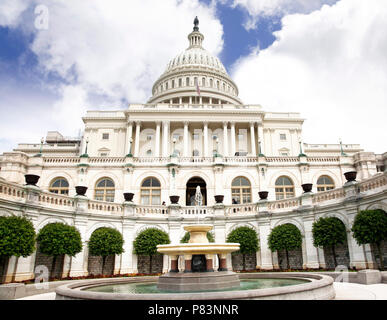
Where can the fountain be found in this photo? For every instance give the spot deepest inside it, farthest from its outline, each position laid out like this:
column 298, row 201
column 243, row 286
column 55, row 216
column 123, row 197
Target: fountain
column 199, row 257
column 199, row 280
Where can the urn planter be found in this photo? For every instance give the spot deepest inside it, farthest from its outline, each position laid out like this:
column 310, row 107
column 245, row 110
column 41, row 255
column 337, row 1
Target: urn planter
column 350, row 176
column 81, row 190
column 128, row 196
column 263, row 195
column 31, row 179
column 219, row 198
column 174, row 199
column 307, row 187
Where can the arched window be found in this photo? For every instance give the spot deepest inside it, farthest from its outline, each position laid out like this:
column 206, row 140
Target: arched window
column 187, row 82
column 149, row 153
column 325, row 183
column 284, row 188
column 151, row 192
column 195, row 153
column 203, row 82
column 59, row 186
column 104, row 190
column 241, row 190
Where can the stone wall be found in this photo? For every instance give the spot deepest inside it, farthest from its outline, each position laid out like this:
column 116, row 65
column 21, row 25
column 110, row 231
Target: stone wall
column 375, row 254
column 342, row 256
column 42, row 259
column 295, row 259
column 237, row 262
column 94, row 265
column 143, row 264
column 3, row 268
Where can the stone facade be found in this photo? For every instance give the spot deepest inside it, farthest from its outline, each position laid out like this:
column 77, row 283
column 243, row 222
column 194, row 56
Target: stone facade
column 94, row 265
column 144, row 267
column 250, row 261
column 375, row 253
column 342, row 256
column 295, row 259
column 44, row 260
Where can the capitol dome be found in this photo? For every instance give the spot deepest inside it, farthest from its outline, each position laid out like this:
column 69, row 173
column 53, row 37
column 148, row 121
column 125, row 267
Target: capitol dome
column 195, row 76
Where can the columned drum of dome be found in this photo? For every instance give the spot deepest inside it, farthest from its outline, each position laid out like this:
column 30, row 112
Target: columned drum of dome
column 195, row 77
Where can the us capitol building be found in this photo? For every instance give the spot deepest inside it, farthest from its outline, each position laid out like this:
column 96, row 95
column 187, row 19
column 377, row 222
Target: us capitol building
column 193, row 131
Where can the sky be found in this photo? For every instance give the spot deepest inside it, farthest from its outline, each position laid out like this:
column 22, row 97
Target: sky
column 326, row 59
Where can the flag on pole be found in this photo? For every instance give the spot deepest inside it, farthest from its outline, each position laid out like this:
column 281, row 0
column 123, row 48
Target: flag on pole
column 197, row 87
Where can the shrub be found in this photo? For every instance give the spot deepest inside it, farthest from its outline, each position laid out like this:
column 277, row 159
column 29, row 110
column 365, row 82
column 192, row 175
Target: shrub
column 285, row 237
column 147, row 241
column 370, row 226
column 105, row 242
column 328, row 233
column 56, row 239
column 248, row 240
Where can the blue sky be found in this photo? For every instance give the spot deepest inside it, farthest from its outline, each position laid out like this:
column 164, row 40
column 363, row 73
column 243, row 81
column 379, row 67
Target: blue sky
column 322, row 58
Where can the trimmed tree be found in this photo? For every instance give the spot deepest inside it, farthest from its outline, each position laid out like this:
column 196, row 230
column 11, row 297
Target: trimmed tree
column 328, row 233
column 370, row 226
column 285, row 237
column 248, row 240
column 187, row 236
column 17, row 238
column 56, row 239
column 105, row 242
column 147, row 241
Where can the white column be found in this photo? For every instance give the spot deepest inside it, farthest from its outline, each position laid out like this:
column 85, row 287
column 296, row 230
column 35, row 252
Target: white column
column 252, row 133
column 79, row 262
column 157, row 143
column 205, row 138
column 129, row 136
column 311, row 250
column 260, row 137
column 185, row 138
column 233, row 139
column 266, row 256
column 225, row 139
column 165, row 138
column 356, row 253
column 127, row 263
column 137, row 142
column 25, row 268
column 190, row 100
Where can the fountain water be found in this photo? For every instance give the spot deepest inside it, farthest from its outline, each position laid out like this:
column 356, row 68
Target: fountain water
column 199, row 257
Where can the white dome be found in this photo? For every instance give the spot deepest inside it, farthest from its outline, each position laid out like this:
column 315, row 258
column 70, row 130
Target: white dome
column 195, row 75
column 196, row 57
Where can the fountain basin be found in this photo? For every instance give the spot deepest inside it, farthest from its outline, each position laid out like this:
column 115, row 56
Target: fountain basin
column 195, row 248
column 312, row 287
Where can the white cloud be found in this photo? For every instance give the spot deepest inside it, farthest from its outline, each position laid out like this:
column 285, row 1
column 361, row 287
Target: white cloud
column 269, row 8
column 10, row 11
column 329, row 65
column 114, row 50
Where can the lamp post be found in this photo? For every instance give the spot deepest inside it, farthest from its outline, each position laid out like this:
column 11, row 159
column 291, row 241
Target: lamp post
column 40, row 149
column 129, row 155
column 260, row 154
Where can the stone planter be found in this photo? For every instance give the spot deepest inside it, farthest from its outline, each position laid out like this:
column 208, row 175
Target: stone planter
column 307, row 187
column 263, row 195
column 350, row 176
column 128, row 196
column 174, row 199
column 81, row 190
column 219, row 198
column 31, row 179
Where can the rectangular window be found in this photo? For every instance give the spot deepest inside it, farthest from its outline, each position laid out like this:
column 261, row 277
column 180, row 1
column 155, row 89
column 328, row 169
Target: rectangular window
column 105, row 136
column 283, row 137
column 104, row 154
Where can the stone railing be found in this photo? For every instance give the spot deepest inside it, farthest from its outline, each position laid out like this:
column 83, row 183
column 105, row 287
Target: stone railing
column 373, row 183
column 52, row 199
column 60, row 160
column 21, row 194
column 151, row 210
column 328, row 195
column 12, row 191
column 107, row 160
column 285, row 204
column 101, row 207
column 241, row 209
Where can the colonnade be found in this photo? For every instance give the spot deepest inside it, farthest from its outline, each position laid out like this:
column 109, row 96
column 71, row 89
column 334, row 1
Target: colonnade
column 162, row 148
